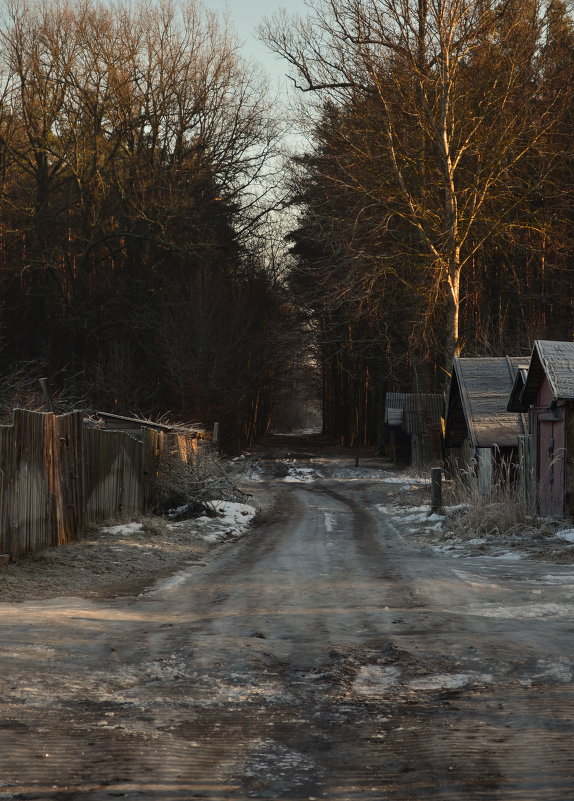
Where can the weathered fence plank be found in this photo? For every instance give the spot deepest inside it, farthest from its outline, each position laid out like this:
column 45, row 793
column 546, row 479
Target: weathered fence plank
column 7, row 471
column 56, row 475
column 113, row 474
column 31, row 514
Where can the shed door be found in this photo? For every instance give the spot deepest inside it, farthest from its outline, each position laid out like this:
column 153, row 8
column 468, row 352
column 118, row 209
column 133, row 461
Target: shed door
column 551, row 468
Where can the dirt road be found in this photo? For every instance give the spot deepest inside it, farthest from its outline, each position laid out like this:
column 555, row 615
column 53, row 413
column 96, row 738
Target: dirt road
column 321, row 656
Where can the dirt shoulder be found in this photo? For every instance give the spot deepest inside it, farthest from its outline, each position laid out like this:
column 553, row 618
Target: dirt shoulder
column 104, row 562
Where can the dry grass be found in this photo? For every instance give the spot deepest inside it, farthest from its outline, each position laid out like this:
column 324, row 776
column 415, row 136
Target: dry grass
column 502, row 512
column 501, row 522
column 103, row 563
column 191, row 486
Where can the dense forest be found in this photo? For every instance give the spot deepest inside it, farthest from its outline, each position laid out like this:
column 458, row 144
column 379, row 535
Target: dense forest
column 435, row 202
column 136, row 148
column 139, row 204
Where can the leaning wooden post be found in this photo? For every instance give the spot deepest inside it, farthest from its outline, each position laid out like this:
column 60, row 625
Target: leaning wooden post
column 436, row 489
column 215, row 436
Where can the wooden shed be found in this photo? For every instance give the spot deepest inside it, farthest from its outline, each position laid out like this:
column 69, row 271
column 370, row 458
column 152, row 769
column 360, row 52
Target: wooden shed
column 547, row 395
column 480, row 432
column 414, row 420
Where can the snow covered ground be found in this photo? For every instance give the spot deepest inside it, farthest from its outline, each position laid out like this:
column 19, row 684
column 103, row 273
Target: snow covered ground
column 230, row 521
column 552, row 541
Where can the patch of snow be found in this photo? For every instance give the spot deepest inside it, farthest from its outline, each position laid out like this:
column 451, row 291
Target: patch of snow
column 356, row 473
column 298, row 475
column 375, row 680
column 414, row 518
column 408, row 481
column 555, row 671
column 124, row 530
column 550, row 579
column 232, row 520
column 414, row 514
column 233, row 513
column 511, row 556
column 523, row 612
column 566, row 534
column 449, row 681
column 255, row 472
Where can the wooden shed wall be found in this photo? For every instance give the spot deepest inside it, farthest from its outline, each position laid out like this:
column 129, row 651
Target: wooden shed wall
column 550, row 428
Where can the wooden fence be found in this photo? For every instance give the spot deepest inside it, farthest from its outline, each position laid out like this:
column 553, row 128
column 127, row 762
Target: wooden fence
column 57, row 475
column 116, row 466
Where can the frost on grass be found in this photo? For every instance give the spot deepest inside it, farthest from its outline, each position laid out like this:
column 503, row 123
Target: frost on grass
column 405, row 481
column 504, row 530
column 300, row 475
column 123, row 530
column 124, row 558
column 228, row 520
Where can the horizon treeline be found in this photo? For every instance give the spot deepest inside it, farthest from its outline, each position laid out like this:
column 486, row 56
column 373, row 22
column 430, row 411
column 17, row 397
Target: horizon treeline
column 435, row 203
column 134, row 142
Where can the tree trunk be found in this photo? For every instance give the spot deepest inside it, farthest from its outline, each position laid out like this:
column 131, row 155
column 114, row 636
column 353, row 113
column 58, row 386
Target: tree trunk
column 452, row 339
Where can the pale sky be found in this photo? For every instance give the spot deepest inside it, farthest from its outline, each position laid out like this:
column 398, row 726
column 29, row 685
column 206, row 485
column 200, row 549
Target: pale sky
column 246, row 15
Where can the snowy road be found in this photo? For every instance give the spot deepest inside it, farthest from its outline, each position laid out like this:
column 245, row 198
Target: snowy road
column 321, row 656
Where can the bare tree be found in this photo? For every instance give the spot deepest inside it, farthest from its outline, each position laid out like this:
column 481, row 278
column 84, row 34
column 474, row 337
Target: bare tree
column 456, row 88
column 135, row 142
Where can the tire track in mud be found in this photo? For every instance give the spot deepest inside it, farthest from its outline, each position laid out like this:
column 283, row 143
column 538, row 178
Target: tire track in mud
column 301, row 662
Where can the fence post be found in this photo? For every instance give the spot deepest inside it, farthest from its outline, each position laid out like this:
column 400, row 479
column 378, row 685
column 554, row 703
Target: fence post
column 436, row 489
column 47, row 395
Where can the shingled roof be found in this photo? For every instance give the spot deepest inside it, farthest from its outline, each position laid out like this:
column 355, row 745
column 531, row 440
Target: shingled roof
column 555, row 360
column 414, row 412
column 477, row 402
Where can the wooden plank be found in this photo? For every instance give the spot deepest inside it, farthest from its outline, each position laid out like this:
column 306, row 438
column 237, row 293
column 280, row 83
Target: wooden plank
column 113, row 475
column 484, row 476
column 7, row 452
column 569, row 477
column 31, row 512
column 68, row 430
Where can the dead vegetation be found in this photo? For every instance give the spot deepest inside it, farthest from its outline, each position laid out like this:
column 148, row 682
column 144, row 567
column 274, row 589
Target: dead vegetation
column 115, row 559
column 501, row 523
column 183, row 487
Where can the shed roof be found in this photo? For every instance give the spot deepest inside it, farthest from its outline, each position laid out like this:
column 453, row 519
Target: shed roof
column 555, row 360
column 394, row 408
column 423, row 413
column 414, row 412
column 477, row 402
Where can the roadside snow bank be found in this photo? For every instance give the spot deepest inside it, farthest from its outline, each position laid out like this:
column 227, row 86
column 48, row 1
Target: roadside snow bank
column 407, row 481
column 125, row 530
column 231, row 521
column 300, row 475
column 464, row 530
column 566, row 534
